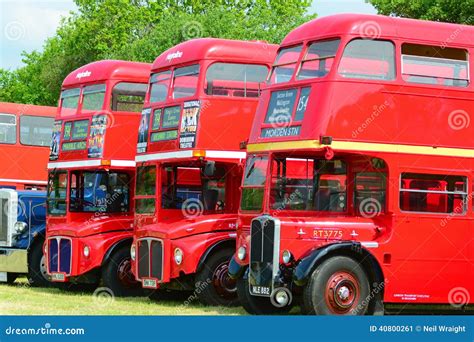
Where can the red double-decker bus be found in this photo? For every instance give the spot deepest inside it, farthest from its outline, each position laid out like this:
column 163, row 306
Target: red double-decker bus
column 92, row 173
column 25, row 134
column 358, row 189
column 202, row 98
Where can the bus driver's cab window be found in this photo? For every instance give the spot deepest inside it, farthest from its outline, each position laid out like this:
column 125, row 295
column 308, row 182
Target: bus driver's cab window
column 186, row 187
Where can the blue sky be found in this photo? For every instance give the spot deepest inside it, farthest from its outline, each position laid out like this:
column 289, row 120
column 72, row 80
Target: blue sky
column 25, row 24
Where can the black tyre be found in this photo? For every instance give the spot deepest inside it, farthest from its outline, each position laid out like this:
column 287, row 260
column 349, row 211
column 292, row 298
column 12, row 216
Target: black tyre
column 213, row 284
column 37, row 273
column 117, row 274
column 257, row 305
column 338, row 286
column 11, row 277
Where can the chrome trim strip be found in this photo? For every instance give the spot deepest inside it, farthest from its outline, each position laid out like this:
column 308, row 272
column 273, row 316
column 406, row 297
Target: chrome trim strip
column 370, row 244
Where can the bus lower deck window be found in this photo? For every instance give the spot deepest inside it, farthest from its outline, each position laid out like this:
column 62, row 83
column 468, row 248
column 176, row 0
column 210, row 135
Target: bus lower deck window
column 433, row 193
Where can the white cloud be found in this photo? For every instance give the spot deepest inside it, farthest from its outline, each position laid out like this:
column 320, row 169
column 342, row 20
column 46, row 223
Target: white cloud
column 26, row 24
column 329, row 7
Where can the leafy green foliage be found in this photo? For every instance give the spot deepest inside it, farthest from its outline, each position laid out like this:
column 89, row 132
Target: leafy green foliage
column 140, row 30
column 458, row 11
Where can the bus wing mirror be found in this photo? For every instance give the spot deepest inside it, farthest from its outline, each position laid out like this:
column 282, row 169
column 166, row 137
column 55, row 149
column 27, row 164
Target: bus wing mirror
column 210, row 169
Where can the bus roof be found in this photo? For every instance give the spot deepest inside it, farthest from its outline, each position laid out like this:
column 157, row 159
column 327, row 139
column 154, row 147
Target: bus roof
column 213, row 48
column 375, row 26
column 20, row 109
column 108, row 70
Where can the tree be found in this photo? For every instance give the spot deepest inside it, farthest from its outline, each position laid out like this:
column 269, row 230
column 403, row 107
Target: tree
column 458, row 11
column 140, row 30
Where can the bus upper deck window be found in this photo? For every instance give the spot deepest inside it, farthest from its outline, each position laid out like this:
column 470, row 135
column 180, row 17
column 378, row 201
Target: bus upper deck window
column 319, row 59
column 94, row 97
column 235, row 80
column 128, row 97
column 285, row 64
column 7, row 129
column 368, row 59
column 185, row 81
column 36, row 130
column 160, row 83
column 70, row 100
column 435, row 65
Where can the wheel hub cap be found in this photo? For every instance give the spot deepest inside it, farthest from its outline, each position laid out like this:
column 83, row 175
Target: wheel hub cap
column 342, row 292
column 223, row 284
column 124, row 273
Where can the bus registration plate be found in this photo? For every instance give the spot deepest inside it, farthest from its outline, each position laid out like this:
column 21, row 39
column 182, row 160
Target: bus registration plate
column 149, row 283
column 260, row 290
column 58, row 277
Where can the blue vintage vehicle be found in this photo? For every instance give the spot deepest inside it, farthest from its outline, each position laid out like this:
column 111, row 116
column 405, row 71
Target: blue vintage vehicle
column 22, row 232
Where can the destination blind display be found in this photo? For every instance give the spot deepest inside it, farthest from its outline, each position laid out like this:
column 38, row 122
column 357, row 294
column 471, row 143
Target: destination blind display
column 75, row 135
column 171, row 117
column 80, row 130
column 164, row 119
column 280, row 113
column 156, row 119
column 281, row 107
column 164, row 135
column 74, row 146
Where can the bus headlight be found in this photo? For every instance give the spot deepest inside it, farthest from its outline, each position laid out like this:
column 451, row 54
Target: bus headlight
column 86, row 251
column 133, row 252
column 241, row 253
column 286, row 256
column 20, row 227
column 178, row 256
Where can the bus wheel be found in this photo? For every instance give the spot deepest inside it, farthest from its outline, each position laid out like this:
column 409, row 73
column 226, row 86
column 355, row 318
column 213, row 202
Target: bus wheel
column 117, row 274
column 11, row 277
column 339, row 286
column 37, row 273
column 257, row 305
column 213, row 284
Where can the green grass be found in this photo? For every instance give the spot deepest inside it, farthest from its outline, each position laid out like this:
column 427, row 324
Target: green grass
column 21, row 299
